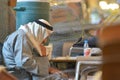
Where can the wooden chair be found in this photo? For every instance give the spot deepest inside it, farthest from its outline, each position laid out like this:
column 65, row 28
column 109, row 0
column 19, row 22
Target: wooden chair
column 109, row 41
column 4, row 75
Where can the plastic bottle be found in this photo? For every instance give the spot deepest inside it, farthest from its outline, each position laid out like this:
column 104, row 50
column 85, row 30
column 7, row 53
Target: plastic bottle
column 86, row 45
column 86, row 48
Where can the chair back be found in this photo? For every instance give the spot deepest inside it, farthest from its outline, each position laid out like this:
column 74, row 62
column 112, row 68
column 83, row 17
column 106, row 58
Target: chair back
column 109, row 41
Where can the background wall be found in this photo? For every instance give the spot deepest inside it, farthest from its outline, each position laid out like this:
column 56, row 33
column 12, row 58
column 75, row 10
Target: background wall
column 7, row 19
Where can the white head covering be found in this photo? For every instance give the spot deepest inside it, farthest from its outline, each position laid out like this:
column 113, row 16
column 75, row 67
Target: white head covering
column 37, row 31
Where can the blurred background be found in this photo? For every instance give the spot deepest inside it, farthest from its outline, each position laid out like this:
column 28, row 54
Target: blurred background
column 73, row 18
column 70, row 19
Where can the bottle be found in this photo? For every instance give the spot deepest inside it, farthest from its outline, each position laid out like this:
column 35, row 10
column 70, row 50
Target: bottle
column 86, row 48
column 86, row 45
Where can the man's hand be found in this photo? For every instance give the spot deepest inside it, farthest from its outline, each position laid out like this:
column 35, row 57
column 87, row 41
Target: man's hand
column 43, row 50
column 54, row 70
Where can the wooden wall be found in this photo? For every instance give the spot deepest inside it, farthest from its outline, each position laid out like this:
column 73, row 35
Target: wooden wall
column 12, row 3
column 7, row 19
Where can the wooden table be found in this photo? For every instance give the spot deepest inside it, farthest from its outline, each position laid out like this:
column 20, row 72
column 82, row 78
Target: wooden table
column 79, row 60
column 64, row 63
column 64, row 59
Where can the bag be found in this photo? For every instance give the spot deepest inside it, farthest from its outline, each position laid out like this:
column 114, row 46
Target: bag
column 91, row 41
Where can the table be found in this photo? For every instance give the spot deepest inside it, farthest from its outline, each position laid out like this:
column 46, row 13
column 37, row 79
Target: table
column 80, row 60
column 64, row 59
column 64, row 63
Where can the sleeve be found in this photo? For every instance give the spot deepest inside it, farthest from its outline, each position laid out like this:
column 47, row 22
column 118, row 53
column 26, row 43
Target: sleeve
column 7, row 52
column 23, row 53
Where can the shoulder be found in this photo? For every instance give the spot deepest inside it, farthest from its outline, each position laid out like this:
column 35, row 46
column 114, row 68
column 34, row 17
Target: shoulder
column 18, row 33
column 13, row 37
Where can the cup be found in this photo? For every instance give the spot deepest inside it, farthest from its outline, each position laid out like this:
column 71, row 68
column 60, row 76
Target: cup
column 87, row 52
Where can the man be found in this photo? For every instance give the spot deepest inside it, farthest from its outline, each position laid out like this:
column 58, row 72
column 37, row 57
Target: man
column 25, row 49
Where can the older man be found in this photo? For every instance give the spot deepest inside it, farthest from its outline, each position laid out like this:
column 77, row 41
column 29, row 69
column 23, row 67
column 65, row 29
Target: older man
column 25, row 49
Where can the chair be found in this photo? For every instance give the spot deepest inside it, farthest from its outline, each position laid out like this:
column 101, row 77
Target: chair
column 4, row 75
column 86, row 65
column 88, row 71
column 109, row 41
column 66, row 48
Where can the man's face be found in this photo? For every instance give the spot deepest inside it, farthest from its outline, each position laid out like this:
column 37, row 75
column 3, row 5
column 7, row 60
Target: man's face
column 46, row 41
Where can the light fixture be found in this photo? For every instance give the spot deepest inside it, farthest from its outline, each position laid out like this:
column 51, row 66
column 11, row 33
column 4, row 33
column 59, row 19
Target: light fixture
column 105, row 6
